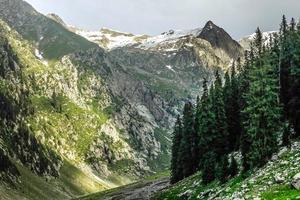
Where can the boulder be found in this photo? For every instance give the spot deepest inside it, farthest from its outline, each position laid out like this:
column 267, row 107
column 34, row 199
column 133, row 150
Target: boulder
column 186, row 194
column 282, row 151
column 274, row 157
column 296, row 181
column 278, row 178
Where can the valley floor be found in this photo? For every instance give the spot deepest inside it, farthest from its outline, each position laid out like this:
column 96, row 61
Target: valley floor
column 273, row 181
column 143, row 190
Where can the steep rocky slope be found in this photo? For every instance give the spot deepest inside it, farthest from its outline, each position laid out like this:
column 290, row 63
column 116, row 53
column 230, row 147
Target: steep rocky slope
column 83, row 118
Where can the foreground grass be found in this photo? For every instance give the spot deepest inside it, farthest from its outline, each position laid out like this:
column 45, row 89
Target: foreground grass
column 283, row 192
column 158, row 175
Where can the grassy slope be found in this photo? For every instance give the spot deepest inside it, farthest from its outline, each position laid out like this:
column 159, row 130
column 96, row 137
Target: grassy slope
column 49, row 124
column 84, row 123
column 56, row 41
column 261, row 183
column 72, row 182
column 65, row 42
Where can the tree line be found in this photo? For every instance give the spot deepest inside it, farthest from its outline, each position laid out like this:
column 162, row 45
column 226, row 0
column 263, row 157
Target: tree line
column 253, row 110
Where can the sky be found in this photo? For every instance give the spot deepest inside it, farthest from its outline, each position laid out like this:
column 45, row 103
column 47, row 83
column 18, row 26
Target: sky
column 238, row 17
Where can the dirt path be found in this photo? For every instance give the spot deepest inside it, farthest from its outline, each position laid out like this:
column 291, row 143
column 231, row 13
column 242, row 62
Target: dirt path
column 137, row 191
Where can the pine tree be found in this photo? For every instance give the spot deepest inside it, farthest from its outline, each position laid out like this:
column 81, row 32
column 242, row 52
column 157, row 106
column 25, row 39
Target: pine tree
column 258, row 42
column 221, row 127
column 232, row 109
column 188, row 148
column 197, row 114
column 293, row 25
column 284, row 66
column 262, row 107
column 244, row 84
column 206, row 121
column 286, row 135
column 223, row 169
column 176, row 168
column 233, row 168
column 209, row 167
column 283, row 26
column 294, row 90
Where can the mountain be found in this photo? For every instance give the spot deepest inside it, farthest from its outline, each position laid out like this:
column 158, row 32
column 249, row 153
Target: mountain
column 216, row 36
column 174, row 56
column 80, row 114
column 219, row 38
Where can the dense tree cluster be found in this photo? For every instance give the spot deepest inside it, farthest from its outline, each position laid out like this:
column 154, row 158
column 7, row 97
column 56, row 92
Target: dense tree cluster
column 254, row 110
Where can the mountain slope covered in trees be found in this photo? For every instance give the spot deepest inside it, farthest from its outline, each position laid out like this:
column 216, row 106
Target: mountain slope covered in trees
column 251, row 114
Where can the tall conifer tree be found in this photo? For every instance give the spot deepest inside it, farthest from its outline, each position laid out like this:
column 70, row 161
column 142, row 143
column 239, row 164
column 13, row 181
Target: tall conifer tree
column 176, row 168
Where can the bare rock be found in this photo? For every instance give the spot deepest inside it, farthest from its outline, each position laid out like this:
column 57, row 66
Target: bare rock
column 278, row 178
column 296, row 181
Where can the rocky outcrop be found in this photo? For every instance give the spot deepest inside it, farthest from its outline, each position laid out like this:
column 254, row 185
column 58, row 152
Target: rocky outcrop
column 56, row 18
column 296, row 181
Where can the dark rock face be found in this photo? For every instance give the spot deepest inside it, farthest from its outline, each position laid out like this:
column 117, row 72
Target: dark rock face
column 219, row 38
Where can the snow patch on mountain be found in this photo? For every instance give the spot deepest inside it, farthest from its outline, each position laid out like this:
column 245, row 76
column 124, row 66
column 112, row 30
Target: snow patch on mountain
column 111, row 39
column 170, row 68
column 169, row 37
column 108, row 38
column 39, row 55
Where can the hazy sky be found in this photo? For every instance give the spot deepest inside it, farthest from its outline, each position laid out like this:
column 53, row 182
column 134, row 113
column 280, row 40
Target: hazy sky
column 238, row 17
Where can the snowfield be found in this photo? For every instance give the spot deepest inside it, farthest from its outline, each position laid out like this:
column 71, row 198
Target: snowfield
column 111, row 39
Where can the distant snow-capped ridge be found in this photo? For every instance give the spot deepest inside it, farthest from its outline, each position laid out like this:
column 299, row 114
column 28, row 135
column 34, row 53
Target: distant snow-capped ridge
column 111, row 39
column 246, row 41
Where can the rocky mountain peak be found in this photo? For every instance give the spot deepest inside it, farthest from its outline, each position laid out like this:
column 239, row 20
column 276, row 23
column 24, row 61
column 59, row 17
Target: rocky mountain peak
column 210, row 25
column 219, row 38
